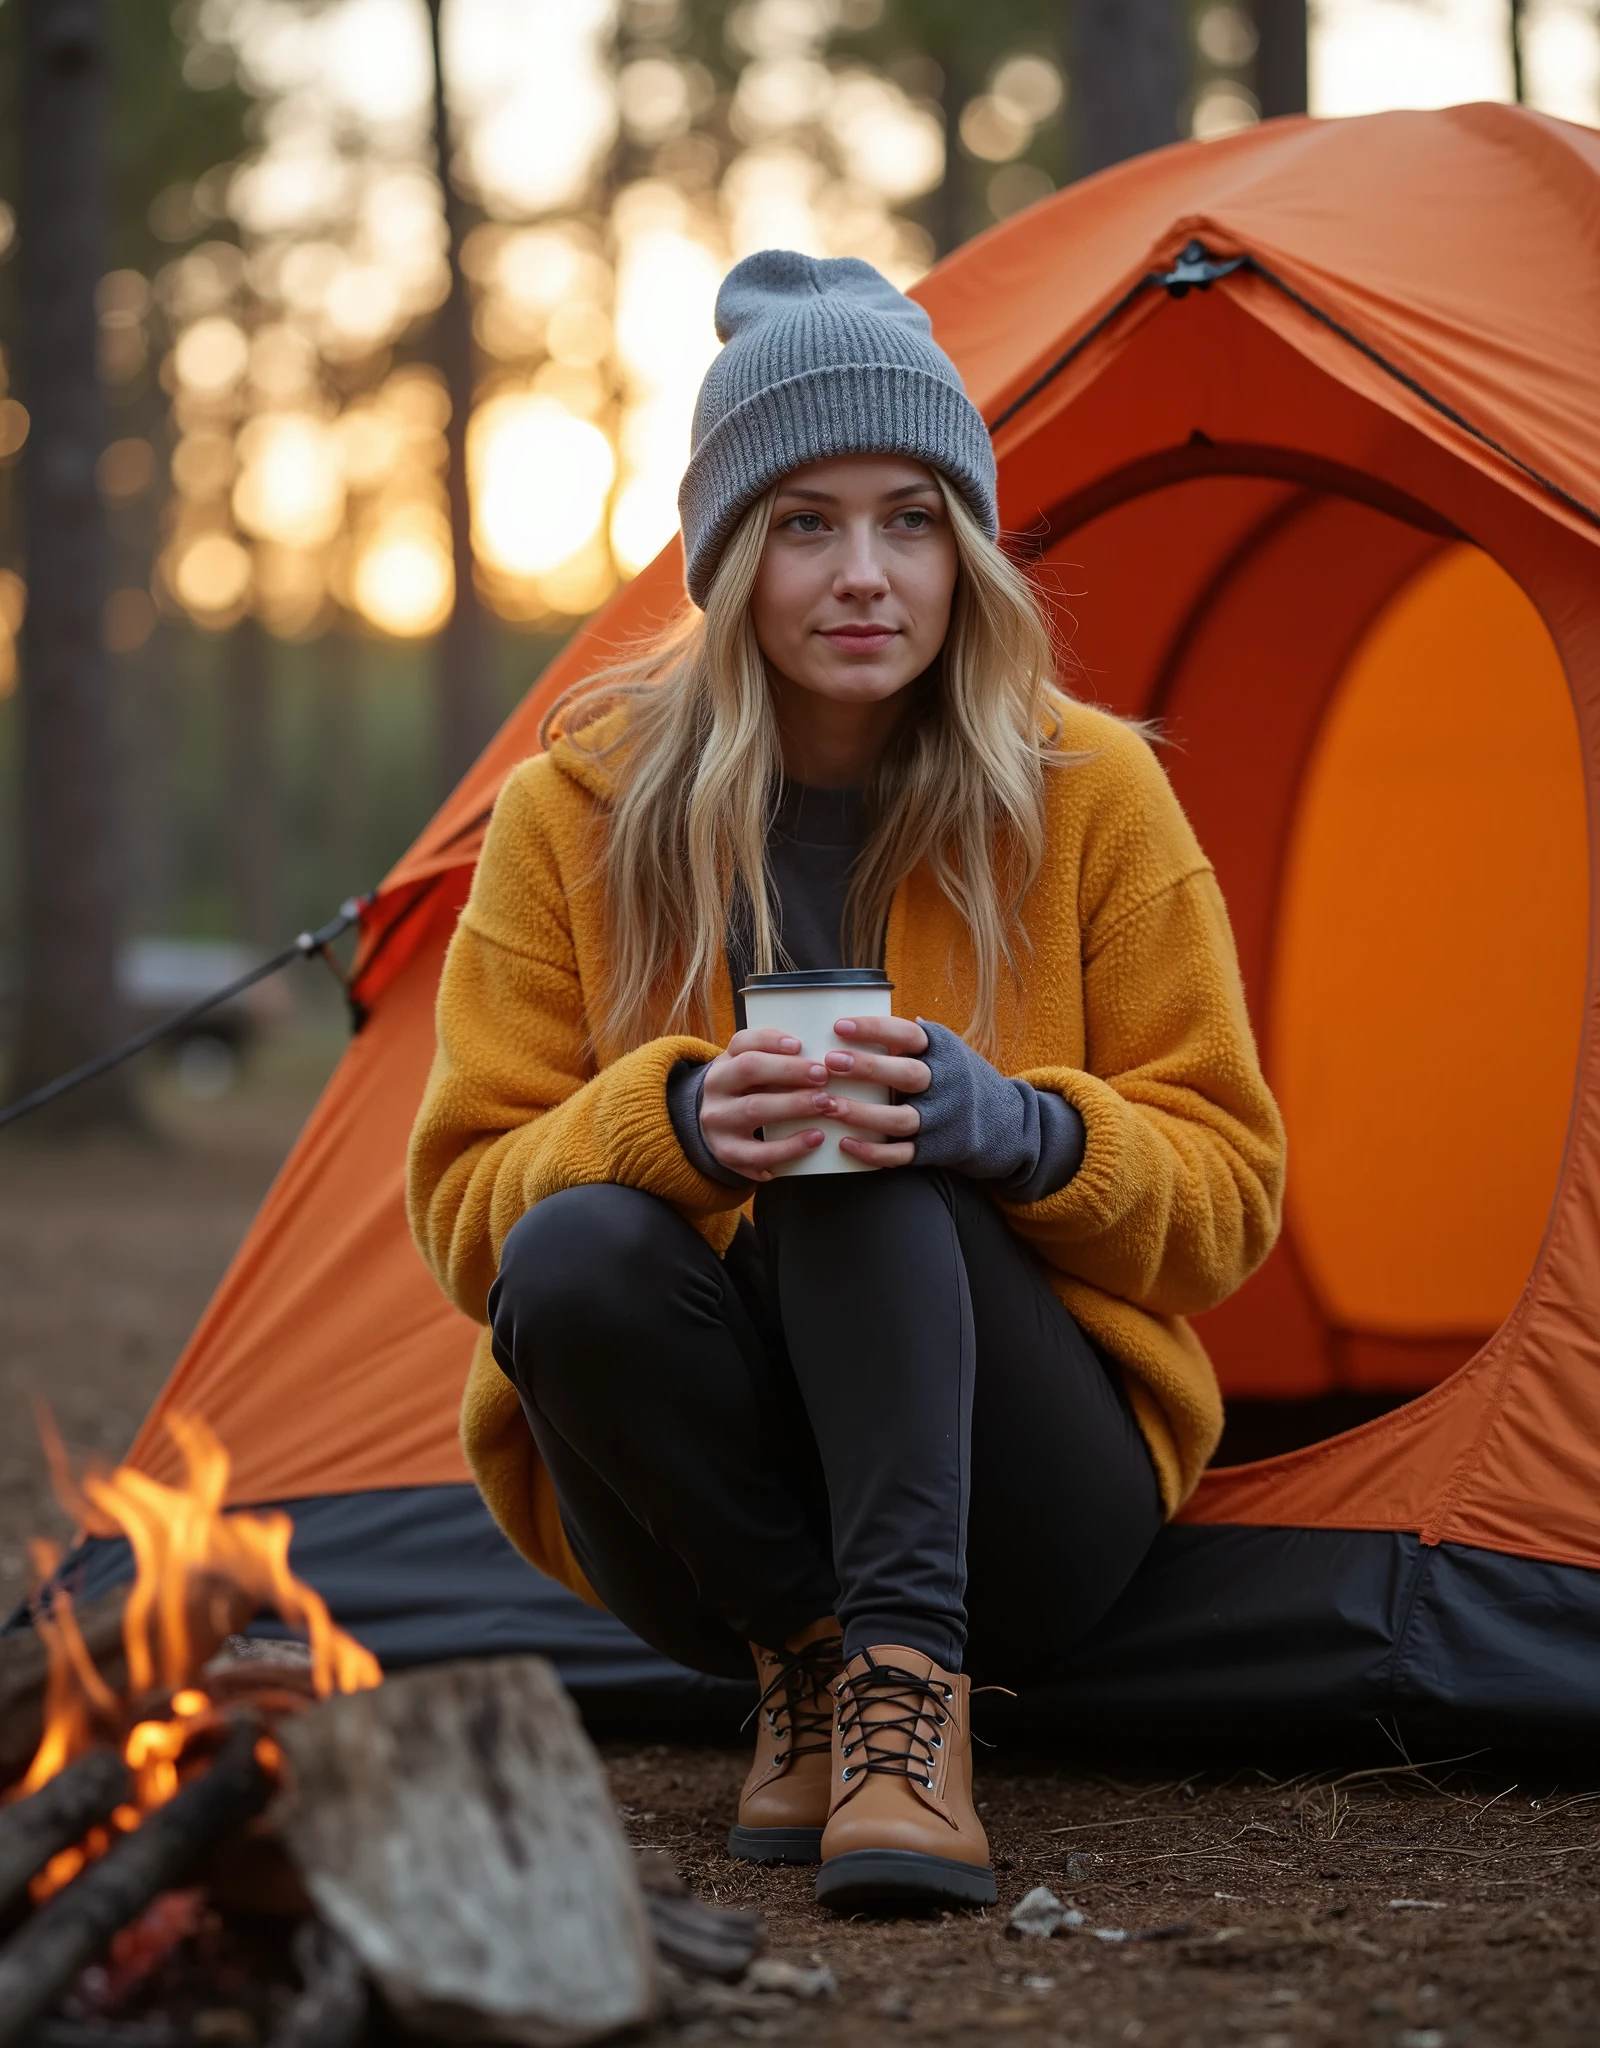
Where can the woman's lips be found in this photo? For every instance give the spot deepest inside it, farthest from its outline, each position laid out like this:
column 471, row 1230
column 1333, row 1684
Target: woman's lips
column 859, row 639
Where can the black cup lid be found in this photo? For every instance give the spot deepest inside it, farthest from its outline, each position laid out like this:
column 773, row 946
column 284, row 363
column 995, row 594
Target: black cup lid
column 819, row 977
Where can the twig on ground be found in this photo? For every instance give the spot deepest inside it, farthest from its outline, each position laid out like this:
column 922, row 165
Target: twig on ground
column 1484, row 1808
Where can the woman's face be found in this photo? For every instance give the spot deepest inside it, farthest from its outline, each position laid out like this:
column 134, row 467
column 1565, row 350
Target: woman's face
column 852, row 598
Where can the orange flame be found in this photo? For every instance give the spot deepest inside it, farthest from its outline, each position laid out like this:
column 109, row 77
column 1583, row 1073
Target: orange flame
column 185, row 1548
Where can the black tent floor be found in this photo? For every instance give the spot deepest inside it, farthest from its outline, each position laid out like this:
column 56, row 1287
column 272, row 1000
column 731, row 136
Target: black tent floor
column 1241, row 1632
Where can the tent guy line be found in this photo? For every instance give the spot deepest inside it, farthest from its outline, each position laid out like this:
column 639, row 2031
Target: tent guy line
column 309, row 945
column 1198, row 269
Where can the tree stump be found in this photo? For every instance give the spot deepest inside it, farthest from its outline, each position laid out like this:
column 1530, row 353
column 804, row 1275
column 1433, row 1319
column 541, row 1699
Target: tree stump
column 455, row 1827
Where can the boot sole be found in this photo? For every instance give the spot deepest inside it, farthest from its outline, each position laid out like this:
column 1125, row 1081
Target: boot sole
column 775, row 1845
column 889, row 1880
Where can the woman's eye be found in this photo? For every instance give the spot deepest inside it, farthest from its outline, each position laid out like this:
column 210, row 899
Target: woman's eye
column 916, row 520
column 804, row 522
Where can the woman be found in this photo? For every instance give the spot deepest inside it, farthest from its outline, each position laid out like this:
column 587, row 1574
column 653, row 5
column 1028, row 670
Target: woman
column 880, row 1426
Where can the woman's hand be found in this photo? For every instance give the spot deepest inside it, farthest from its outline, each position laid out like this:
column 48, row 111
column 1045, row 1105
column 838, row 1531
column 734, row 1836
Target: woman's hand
column 762, row 1079
column 887, row 1130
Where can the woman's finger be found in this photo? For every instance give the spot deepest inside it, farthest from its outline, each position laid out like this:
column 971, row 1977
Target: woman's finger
column 881, row 1119
column 756, row 1160
column 872, row 1153
column 904, row 1076
column 746, row 1073
column 737, row 1114
column 762, row 1041
column 894, row 1034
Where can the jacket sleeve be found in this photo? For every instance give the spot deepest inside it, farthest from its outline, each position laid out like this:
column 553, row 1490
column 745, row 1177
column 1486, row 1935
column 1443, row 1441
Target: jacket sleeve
column 515, row 1107
column 1180, row 1193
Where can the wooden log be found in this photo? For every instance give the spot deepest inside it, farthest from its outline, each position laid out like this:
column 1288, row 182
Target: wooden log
column 456, row 1828
column 700, row 1940
column 49, row 1950
column 55, row 1817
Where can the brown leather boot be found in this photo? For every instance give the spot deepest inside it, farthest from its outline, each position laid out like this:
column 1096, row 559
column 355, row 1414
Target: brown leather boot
column 901, row 1829
column 785, row 1799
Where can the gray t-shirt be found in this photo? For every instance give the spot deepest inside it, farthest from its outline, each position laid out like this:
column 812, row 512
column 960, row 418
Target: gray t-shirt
column 1026, row 1142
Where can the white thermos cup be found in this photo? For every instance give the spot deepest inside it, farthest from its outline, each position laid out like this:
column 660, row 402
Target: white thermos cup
column 806, row 1006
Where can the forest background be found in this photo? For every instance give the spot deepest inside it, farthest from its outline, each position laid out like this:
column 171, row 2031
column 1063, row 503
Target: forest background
column 397, row 376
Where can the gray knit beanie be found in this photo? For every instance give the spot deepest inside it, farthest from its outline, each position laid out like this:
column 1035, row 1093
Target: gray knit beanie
column 823, row 357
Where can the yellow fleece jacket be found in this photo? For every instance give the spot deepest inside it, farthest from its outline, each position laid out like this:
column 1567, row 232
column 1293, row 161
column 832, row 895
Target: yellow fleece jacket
column 1130, row 1006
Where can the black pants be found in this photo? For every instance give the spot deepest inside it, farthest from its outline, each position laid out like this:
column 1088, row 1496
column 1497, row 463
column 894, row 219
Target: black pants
column 874, row 1407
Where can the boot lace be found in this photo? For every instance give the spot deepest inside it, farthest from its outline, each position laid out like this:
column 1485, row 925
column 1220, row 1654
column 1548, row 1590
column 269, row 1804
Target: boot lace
column 892, row 1744
column 803, row 1713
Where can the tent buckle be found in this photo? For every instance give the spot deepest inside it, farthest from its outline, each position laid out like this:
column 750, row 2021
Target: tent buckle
column 1196, row 266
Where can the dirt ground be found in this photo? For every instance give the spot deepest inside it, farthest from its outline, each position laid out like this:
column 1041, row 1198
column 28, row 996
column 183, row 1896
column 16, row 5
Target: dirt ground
column 1453, row 1908
column 1407, row 1911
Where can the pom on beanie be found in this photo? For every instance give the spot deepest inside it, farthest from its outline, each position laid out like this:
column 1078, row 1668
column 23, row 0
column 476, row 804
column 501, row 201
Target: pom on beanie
column 823, row 357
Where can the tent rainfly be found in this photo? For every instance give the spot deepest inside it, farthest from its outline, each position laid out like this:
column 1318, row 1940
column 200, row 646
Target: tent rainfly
column 1302, row 428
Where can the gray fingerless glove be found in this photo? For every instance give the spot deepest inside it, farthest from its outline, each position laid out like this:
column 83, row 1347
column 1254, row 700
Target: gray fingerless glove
column 1026, row 1142
column 686, row 1082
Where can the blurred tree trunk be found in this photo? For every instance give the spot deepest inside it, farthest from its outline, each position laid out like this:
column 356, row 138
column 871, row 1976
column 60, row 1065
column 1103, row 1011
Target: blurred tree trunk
column 1128, row 61
column 1519, row 74
column 71, row 909
column 344, row 785
column 466, row 715
column 949, row 210
column 252, row 834
column 1281, row 71
column 149, row 726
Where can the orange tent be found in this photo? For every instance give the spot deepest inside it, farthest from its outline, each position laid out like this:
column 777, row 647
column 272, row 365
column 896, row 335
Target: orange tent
column 1302, row 429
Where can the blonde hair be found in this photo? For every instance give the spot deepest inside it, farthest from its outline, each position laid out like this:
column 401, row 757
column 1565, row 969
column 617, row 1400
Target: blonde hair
column 960, row 785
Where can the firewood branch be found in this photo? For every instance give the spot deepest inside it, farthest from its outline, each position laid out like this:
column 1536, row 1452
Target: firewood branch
column 44, row 1956
column 55, row 1817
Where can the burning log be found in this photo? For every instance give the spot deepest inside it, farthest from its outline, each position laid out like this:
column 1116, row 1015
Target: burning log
column 46, row 1954
column 455, row 1827
column 39, row 1827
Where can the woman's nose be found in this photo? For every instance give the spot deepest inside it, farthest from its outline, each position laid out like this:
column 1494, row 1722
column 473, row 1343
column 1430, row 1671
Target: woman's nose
column 861, row 572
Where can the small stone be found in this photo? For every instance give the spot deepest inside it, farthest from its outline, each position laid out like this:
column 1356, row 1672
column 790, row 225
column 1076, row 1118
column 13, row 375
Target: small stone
column 789, row 1980
column 1040, row 1914
column 1081, row 1865
column 893, row 2005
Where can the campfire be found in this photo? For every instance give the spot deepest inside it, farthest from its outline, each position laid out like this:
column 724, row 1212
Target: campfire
column 200, row 1575
column 446, row 1836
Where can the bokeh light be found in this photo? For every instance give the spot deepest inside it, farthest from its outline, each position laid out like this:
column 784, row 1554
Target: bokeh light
column 13, row 428
column 210, row 577
column 211, row 356
column 403, row 583
column 291, row 480
column 13, row 609
column 540, row 482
